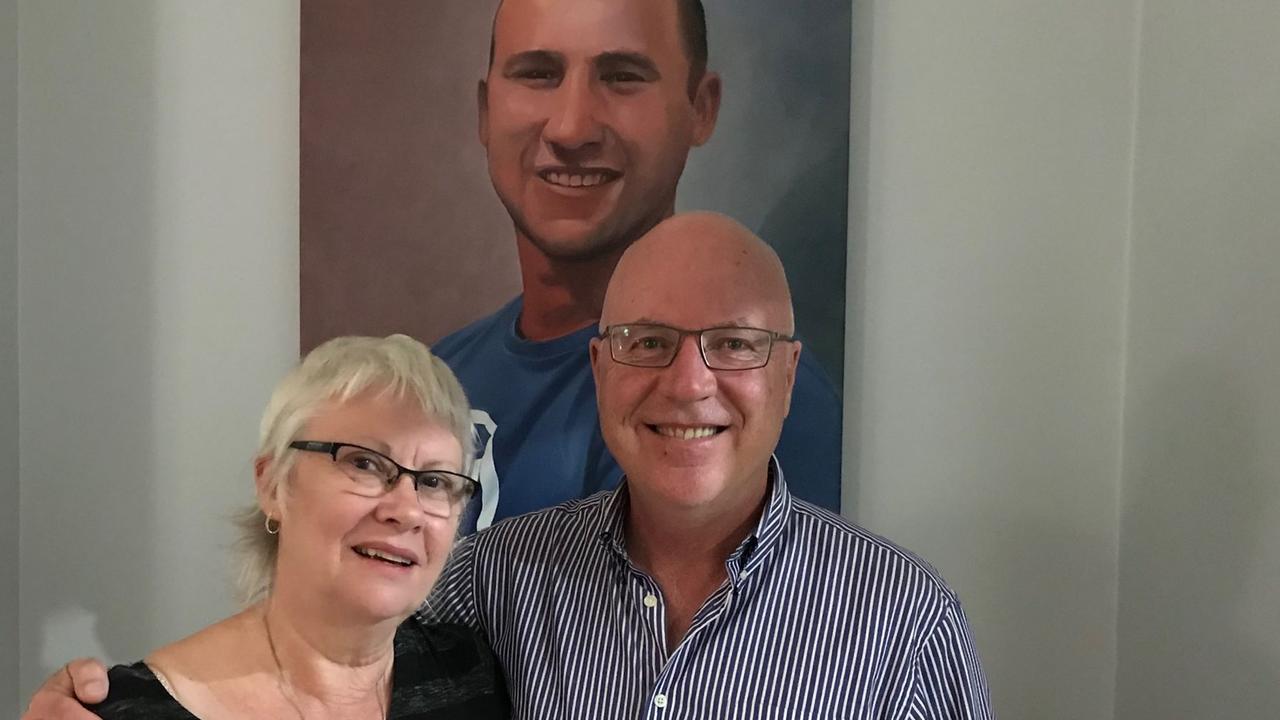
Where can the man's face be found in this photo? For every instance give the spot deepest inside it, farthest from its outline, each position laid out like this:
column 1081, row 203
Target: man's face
column 587, row 119
column 691, row 436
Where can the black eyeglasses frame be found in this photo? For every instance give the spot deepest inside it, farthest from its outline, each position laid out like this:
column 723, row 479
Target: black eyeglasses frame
column 331, row 449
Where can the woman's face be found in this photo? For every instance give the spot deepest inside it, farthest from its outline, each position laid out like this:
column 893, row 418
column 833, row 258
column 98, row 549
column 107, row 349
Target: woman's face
column 330, row 535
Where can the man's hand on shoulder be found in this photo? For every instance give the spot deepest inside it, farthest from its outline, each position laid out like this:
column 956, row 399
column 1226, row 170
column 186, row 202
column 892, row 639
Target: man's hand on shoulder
column 59, row 698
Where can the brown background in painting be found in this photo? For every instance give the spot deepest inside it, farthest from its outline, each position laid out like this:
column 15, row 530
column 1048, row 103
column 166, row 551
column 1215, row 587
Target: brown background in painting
column 390, row 184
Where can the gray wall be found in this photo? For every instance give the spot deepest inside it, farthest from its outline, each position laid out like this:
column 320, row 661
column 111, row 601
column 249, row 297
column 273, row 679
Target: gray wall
column 9, row 554
column 1065, row 352
column 158, row 253
column 1199, row 632
column 1063, row 371
column 990, row 192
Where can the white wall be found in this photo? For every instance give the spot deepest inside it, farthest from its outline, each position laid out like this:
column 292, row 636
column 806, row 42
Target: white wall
column 8, row 357
column 1063, row 359
column 158, row 254
column 1199, row 631
column 990, row 216
column 1065, row 339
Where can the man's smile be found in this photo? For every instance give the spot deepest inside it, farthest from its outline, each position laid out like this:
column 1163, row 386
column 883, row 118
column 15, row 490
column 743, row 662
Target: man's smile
column 578, row 177
column 687, row 432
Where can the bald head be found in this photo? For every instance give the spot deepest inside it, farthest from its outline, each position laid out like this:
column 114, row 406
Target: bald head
column 700, row 259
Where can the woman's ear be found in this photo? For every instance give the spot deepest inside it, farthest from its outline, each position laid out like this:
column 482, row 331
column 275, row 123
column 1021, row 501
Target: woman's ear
column 267, row 486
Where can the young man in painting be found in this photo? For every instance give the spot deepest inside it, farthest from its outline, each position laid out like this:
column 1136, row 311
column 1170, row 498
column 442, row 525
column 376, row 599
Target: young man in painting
column 588, row 113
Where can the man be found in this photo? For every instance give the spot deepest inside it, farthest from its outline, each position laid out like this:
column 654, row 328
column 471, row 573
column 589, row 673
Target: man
column 587, row 115
column 700, row 588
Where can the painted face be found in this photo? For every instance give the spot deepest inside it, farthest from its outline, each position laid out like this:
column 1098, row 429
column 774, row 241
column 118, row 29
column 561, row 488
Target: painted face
column 692, row 436
column 587, row 120
column 370, row 557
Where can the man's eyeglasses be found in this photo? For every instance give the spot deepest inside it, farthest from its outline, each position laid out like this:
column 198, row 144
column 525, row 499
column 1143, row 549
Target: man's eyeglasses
column 440, row 492
column 722, row 348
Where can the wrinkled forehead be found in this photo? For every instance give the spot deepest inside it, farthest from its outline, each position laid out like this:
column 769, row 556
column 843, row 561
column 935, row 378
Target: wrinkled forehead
column 588, row 28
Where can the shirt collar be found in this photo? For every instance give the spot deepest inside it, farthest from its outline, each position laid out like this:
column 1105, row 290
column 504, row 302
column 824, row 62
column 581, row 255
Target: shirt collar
column 611, row 518
column 773, row 520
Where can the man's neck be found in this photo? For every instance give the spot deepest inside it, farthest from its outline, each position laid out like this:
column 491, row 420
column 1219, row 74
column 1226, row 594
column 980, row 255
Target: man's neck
column 560, row 296
column 660, row 538
column 685, row 551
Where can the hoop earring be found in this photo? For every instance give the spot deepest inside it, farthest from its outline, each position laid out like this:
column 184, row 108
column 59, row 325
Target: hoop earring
column 272, row 530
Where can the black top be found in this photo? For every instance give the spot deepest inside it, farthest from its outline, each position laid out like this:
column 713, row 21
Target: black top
column 440, row 672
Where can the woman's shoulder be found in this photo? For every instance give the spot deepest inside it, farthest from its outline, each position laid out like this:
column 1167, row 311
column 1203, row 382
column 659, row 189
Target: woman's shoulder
column 137, row 694
column 419, row 635
column 444, row 649
column 445, row 670
column 205, row 653
column 149, row 689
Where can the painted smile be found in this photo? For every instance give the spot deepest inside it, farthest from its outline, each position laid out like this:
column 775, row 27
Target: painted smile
column 578, row 177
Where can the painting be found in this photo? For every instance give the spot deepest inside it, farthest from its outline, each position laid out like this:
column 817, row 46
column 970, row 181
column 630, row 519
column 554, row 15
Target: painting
column 402, row 229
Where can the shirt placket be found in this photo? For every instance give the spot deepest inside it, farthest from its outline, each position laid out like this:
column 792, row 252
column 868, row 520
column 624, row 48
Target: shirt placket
column 664, row 697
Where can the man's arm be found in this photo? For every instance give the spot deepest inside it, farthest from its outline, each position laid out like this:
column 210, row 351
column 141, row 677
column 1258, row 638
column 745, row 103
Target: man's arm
column 948, row 680
column 453, row 600
column 84, row 680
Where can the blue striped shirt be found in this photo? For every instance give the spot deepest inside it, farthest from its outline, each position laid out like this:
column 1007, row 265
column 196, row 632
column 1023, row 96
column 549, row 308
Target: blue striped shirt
column 817, row 619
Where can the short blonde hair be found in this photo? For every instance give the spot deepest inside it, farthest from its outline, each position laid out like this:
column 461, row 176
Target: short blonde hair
column 337, row 371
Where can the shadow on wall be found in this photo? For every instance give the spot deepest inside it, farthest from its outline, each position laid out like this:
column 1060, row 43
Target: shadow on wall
column 90, row 242
column 1198, row 637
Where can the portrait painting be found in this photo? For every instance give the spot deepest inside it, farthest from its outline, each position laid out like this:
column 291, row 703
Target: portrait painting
column 415, row 114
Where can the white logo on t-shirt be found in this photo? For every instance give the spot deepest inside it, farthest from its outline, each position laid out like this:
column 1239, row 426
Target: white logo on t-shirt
column 485, row 471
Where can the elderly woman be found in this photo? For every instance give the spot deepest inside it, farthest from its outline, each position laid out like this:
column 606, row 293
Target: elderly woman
column 359, row 489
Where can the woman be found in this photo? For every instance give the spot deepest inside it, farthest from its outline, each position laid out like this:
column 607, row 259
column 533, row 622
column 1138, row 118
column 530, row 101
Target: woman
column 359, row 490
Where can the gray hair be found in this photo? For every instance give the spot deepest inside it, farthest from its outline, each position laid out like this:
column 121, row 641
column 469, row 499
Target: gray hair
column 337, row 371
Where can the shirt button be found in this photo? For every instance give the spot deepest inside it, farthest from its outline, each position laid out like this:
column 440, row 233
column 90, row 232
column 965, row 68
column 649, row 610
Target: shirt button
column 742, row 575
column 660, row 700
column 651, row 601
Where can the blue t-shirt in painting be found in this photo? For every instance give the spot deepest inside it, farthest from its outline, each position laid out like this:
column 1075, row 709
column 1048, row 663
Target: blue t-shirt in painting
column 538, row 431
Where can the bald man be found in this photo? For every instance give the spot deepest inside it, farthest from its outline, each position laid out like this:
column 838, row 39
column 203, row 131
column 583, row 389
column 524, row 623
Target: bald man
column 700, row 587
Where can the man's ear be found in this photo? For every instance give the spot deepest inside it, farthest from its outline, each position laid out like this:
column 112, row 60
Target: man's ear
column 793, row 364
column 598, row 353
column 482, row 112
column 594, row 349
column 706, row 108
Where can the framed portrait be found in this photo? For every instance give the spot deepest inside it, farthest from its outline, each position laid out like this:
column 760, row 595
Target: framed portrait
column 402, row 230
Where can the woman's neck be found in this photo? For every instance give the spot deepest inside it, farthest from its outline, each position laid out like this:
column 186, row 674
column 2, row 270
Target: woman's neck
column 325, row 663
